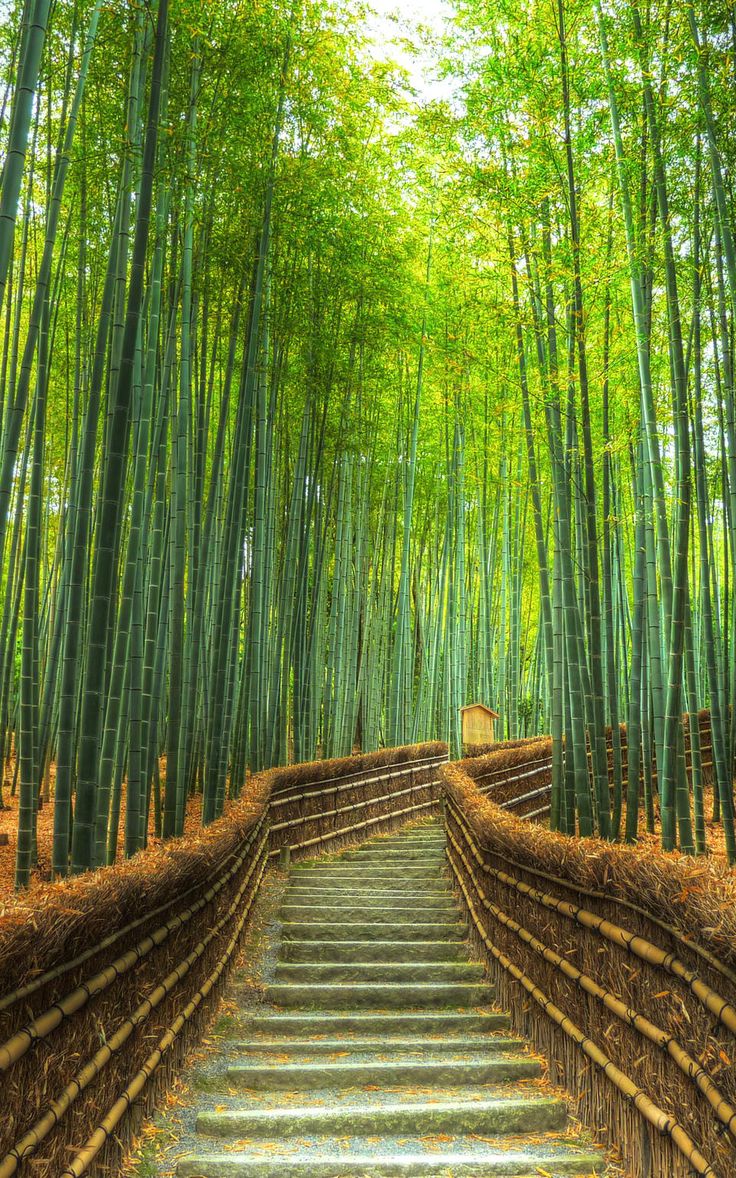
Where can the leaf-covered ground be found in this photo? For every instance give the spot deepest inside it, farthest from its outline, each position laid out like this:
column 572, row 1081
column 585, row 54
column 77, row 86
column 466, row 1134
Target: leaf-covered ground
column 42, row 872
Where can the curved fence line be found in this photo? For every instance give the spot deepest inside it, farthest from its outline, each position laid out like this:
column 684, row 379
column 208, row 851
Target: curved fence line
column 90, row 976
column 627, row 963
column 624, row 1085
column 629, row 990
column 282, row 793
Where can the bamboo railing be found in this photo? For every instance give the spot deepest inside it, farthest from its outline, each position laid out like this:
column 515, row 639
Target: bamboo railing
column 107, row 981
column 627, row 972
column 310, row 810
column 620, row 966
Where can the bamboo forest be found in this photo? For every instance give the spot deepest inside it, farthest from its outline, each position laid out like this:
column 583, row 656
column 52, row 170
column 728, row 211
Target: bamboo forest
column 357, row 366
column 367, row 588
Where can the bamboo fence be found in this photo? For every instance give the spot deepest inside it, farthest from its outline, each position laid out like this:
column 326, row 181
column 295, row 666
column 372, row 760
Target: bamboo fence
column 107, row 981
column 618, row 963
column 625, row 960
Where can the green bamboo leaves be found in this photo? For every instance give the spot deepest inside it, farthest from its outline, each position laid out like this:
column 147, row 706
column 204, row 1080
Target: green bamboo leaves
column 327, row 410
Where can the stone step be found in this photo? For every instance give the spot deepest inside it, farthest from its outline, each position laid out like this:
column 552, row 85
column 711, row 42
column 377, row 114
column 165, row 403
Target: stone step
column 386, row 996
column 332, row 1025
column 432, row 829
column 353, row 871
column 371, row 930
column 390, row 878
column 431, row 838
column 369, row 898
column 432, row 846
column 379, row 971
column 440, row 890
column 484, row 1163
column 419, row 830
column 490, row 1117
column 362, row 951
column 385, row 880
column 384, row 1045
column 329, row 914
column 400, row 846
column 308, row 1077
column 394, row 856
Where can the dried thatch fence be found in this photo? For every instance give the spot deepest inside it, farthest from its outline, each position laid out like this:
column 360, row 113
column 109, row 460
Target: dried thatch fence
column 618, row 963
column 106, row 981
column 324, row 805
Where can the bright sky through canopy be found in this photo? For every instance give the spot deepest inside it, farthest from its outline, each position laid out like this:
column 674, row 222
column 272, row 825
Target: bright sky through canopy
column 400, row 33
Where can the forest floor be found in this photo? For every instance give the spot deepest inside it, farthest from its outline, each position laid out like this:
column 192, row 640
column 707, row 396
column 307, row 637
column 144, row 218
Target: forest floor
column 42, row 872
column 714, row 837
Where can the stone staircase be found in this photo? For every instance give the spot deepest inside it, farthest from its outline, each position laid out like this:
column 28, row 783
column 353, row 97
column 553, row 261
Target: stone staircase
column 380, row 1052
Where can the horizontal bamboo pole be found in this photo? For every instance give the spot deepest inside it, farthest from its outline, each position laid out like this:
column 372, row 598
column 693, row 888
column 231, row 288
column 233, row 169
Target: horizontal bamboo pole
column 521, row 798
column 688, row 767
column 645, row 1106
column 84, row 1158
column 690, row 1067
column 57, row 1108
column 536, row 813
column 621, row 937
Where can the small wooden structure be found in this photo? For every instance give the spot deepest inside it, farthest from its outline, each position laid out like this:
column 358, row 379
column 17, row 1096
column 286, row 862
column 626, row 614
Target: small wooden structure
column 478, row 722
